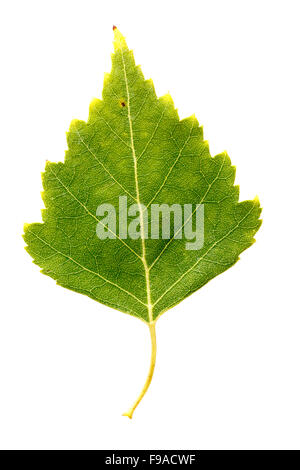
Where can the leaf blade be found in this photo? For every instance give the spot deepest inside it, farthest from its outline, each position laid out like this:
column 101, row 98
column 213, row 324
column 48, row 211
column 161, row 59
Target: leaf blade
column 134, row 144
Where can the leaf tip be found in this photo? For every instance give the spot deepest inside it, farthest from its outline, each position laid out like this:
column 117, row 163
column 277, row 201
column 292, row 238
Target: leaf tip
column 119, row 40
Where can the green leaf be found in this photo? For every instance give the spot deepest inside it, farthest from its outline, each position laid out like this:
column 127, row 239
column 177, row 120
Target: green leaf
column 134, row 145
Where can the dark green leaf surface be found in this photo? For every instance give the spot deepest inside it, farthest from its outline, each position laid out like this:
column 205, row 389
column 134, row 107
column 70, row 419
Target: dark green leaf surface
column 134, row 145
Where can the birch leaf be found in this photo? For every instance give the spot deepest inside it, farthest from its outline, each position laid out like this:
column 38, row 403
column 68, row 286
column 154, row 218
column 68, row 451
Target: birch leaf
column 134, row 146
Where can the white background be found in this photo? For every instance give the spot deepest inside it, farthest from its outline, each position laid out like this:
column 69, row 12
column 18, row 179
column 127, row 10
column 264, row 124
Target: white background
column 227, row 375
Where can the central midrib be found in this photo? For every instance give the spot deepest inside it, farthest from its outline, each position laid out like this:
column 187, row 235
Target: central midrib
column 144, row 259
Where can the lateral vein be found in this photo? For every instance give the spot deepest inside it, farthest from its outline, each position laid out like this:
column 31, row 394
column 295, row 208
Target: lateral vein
column 92, row 215
column 183, row 225
column 203, row 256
column 87, row 269
column 172, row 167
column 104, row 167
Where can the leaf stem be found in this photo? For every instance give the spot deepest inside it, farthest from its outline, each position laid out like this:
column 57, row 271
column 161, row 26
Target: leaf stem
column 129, row 413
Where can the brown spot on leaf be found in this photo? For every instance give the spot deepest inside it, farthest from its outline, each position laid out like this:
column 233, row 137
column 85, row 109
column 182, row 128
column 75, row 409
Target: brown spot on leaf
column 123, row 103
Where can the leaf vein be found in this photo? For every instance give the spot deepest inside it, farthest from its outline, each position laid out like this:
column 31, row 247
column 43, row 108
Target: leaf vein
column 100, row 163
column 203, row 256
column 92, row 215
column 87, row 269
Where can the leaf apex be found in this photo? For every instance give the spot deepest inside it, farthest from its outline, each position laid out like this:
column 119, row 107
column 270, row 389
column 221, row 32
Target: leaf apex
column 119, row 40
